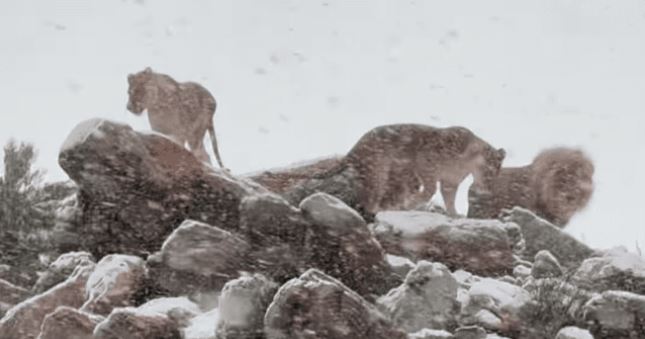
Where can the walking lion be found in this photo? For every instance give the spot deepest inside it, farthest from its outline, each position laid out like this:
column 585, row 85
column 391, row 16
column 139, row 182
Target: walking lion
column 181, row 110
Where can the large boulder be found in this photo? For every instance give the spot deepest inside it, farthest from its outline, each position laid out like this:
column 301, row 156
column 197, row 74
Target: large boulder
column 67, row 322
column 60, row 269
column 135, row 188
column 316, row 305
column 198, row 257
column 242, row 306
column 24, row 320
column 134, row 323
column 427, row 299
column 615, row 270
column 616, row 315
column 276, row 233
column 495, row 305
column 540, row 235
column 483, row 247
column 115, row 282
column 10, row 295
column 341, row 245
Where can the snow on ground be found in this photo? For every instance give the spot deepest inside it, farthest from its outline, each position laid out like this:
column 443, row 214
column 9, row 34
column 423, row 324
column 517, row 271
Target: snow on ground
column 296, row 80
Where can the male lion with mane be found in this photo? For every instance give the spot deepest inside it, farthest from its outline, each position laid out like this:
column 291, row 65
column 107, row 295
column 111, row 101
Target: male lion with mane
column 181, row 110
column 398, row 166
column 556, row 185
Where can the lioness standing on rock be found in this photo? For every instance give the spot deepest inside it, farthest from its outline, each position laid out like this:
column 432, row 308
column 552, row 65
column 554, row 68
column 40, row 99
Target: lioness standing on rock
column 555, row 186
column 398, row 166
column 181, row 110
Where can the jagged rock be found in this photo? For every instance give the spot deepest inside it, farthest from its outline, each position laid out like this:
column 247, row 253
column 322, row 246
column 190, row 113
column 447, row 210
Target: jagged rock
column 60, row 269
column 276, row 233
column 427, row 333
column 616, row 314
column 243, row 304
column 427, row 299
column 283, row 179
column 572, row 332
column 546, row 266
column 10, row 295
column 615, row 270
column 400, row 265
column 133, row 323
column 135, row 188
column 539, row 235
column 203, row 326
column 67, row 322
column 24, row 320
column 341, row 245
column 197, row 257
column 494, row 305
column 316, row 305
column 114, row 283
column 555, row 304
column 480, row 246
column 470, row 332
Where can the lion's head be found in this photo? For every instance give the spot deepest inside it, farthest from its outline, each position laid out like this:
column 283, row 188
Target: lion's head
column 137, row 91
column 488, row 165
column 566, row 184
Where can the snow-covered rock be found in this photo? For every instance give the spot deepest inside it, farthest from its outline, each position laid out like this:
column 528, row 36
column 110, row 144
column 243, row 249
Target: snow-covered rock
column 572, row 332
column 483, row 247
column 202, row 326
column 540, row 235
column 546, row 266
column 135, row 188
column 114, row 283
column 197, row 257
column 427, row 333
column 61, row 268
column 133, row 323
column 179, row 309
column 10, row 295
column 400, row 265
column 470, row 332
column 616, row 314
column 341, row 245
column 317, row 306
column 494, row 305
column 242, row 306
column 427, row 299
column 615, row 270
column 521, row 272
column 67, row 322
column 23, row 321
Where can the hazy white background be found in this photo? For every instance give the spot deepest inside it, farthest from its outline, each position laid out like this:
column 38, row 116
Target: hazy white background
column 298, row 79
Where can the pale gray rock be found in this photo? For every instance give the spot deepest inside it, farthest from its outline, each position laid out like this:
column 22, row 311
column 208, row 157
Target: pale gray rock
column 115, row 282
column 317, row 306
column 483, row 247
column 546, row 265
column 427, row 299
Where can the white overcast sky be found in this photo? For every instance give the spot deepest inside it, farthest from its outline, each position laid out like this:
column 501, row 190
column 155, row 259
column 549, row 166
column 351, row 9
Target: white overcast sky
column 301, row 79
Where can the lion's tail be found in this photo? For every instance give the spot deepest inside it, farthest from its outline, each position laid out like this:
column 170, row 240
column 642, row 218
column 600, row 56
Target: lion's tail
column 211, row 132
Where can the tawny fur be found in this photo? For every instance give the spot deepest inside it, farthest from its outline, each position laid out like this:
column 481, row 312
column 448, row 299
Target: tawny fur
column 181, row 110
column 398, row 166
column 556, row 185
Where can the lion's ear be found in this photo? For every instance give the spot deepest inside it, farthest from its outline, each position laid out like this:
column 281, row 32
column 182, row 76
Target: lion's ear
column 148, row 70
column 501, row 153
